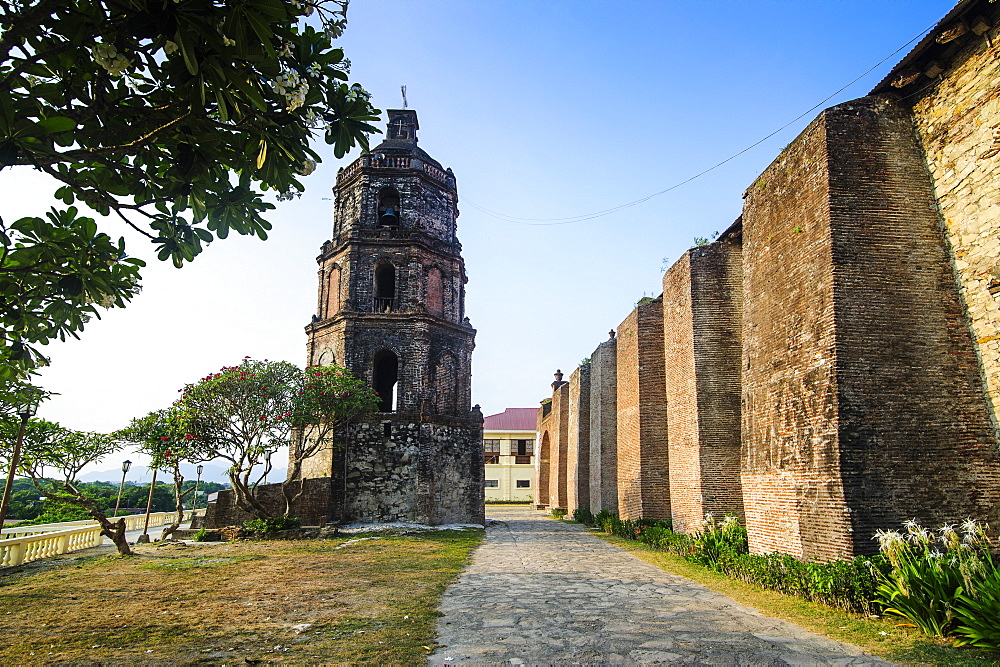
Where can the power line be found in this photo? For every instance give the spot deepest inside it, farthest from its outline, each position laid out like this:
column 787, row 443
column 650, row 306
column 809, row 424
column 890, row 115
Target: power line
column 600, row 214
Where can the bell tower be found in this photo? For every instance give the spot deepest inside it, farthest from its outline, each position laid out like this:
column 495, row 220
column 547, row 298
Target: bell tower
column 391, row 308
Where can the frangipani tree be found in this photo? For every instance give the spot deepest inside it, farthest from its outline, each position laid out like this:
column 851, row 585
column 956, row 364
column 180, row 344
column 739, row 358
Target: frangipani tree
column 245, row 413
column 327, row 398
column 161, row 435
column 241, row 414
column 64, row 453
column 174, row 117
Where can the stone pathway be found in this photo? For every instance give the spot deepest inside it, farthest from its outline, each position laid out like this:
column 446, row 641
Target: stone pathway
column 542, row 591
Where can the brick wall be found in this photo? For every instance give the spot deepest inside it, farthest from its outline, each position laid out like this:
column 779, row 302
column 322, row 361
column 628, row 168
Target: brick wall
column 702, row 305
column 559, row 452
column 543, row 459
column 789, row 413
column 915, row 437
column 312, row 507
column 578, row 440
column 604, row 427
column 861, row 399
column 643, row 475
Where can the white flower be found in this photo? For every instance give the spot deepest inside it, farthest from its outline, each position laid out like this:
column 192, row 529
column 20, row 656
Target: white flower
column 313, row 70
column 308, row 167
column 228, row 42
column 286, row 50
column 170, row 47
column 104, row 53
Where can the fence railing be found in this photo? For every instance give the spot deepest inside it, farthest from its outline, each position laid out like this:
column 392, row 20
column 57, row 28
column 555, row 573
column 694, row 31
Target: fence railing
column 22, row 545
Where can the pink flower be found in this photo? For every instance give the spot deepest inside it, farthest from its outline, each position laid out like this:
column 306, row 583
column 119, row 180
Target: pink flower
column 164, row 438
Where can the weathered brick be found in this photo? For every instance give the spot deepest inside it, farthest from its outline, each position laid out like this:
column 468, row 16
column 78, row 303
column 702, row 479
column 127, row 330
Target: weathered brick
column 643, row 474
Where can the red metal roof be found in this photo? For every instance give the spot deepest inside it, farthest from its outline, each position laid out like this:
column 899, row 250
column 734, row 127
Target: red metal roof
column 512, row 419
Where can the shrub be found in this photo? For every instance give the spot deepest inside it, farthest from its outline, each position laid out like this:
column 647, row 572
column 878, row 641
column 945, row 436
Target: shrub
column 930, row 572
column 201, row 535
column 978, row 612
column 583, row 515
column 558, row 512
column 272, row 524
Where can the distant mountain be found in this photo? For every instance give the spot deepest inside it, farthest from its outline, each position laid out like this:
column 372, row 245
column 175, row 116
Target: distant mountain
column 213, row 472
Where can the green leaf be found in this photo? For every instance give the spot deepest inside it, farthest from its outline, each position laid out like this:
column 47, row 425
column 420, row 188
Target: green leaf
column 55, row 124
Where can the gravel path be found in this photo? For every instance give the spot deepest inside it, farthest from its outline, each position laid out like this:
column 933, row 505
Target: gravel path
column 541, row 591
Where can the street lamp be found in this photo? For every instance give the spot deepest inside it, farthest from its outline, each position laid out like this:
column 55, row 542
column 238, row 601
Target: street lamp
column 199, row 469
column 26, row 409
column 126, row 464
column 267, row 465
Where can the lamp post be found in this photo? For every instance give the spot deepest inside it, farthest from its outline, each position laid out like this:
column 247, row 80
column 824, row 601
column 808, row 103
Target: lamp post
column 144, row 538
column 26, row 409
column 267, row 465
column 199, row 469
column 126, row 464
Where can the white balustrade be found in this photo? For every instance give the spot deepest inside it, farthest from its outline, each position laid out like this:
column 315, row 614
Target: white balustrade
column 22, row 545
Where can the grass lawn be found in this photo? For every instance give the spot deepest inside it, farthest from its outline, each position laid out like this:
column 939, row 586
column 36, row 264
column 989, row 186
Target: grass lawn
column 884, row 637
column 332, row 601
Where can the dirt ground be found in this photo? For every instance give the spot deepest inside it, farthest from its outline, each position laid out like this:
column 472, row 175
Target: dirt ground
column 338, row 600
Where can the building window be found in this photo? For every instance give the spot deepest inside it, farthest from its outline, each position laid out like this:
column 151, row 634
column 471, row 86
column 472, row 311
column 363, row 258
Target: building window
column 524, row 483
column 385, row 288
column 520, row 460
column 385, row 375
column 522, row 447
column 493, row 484
column 491, row 449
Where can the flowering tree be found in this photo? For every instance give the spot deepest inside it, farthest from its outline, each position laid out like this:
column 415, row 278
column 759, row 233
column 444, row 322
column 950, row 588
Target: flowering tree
column 241, row 414
column 161, row 435
column 173, row 117
column 244, row 413
column 64, row 453
column 327, row 398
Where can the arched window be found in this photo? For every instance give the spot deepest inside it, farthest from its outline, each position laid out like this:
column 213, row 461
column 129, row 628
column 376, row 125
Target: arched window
column 326, row 358
column 333, row 292
column 435, row 292
column 385, row 375
column 388, row 208
column 385, row 288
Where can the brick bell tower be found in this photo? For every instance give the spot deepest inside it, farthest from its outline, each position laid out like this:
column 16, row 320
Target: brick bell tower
column 392, row 309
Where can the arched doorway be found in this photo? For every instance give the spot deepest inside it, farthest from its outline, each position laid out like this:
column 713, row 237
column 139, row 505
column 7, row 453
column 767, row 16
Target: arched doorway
column 385, row 375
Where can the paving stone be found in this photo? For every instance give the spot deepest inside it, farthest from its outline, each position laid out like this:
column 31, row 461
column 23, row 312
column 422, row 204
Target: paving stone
column 539, row 591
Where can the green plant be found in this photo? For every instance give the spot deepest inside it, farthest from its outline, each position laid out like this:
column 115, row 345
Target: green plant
column 272, row 524
column 978, row 613
column 176, row 119
column 720, row 541
column 930, row 572
column 583, row 515
column 201, row 535
column 558, row 512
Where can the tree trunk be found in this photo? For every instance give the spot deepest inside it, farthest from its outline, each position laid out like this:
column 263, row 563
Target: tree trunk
column 179, row 498
column 245, row 499
column 113, row 531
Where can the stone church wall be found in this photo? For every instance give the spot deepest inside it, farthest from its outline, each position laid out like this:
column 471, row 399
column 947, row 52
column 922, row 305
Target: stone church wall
column 604, row 428
column 702, row 310
column 833, row 361
column 914, row 434
column 643, row 475
column 958, row 123
column 578, row 440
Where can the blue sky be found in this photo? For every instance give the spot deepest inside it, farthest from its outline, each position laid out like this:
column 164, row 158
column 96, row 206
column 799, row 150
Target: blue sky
column 543, row 110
